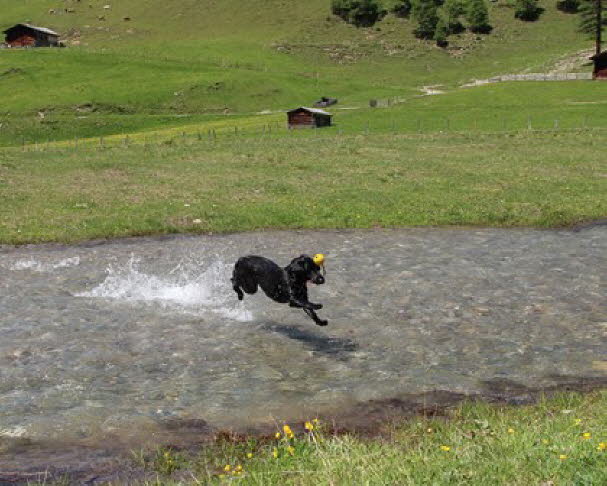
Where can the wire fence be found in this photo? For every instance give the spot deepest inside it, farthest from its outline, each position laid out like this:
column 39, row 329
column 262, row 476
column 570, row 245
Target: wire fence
column 277, row 131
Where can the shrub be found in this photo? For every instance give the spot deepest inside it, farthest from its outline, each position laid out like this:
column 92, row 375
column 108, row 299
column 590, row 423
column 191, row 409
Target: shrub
column 362, row 13
column 477, row 16
column 527, row 10
column 452, row 10
column 441, row 32
column 402, row 8
column 568, row 6
column 426, row 15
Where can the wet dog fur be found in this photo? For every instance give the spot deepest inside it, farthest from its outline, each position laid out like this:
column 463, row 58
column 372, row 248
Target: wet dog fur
column 288, row 285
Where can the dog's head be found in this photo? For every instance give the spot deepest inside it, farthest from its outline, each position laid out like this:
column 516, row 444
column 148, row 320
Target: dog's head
column 304, row 269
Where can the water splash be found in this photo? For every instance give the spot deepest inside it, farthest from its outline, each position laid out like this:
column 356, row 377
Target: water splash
column 189, row 287
column 37, row 266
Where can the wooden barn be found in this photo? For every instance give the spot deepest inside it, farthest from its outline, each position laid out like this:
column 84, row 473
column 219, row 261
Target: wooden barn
column 26, row 35
column 303, row 117
column 600, row 66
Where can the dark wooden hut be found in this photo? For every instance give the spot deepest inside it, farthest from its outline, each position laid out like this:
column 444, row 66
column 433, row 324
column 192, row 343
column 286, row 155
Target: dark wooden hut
column 26, row 35
column 600, row 65
column 303, row 117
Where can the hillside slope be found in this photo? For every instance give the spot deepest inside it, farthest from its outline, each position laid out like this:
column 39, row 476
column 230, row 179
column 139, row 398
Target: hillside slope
column 215, row 57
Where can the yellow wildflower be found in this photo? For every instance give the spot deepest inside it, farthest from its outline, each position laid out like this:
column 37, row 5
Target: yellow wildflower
column 602, row 446
column 445, row 448
column 562, row 457
column 249, row 455
column 577, row 421
column 586, row 435
column 288, row 432
column 545, row 441
column 227, row 468
column 238, row 468
column 429, row 431
column 277, row 435
column 316, row 421
column 221, row 476
column 291, row 450
column 308, row 426
column 511, row 431
column 275, row 453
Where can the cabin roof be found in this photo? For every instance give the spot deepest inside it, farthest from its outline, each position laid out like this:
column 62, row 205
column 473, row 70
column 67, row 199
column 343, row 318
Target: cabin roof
column 33, row 27
column 311, row 110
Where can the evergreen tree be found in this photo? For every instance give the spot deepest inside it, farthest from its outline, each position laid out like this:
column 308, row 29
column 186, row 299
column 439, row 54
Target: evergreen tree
column 362, row 13
column 452, row 10
column 477, row 16
column 593, row 19
column 527, row 10
column 568, row 6
column 402, row 8
column 425, row 13
column 441, row 31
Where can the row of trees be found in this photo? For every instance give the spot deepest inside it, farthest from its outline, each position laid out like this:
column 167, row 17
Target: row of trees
column 438, row 19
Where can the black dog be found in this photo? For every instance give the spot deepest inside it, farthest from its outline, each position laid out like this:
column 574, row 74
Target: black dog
column 282, row 285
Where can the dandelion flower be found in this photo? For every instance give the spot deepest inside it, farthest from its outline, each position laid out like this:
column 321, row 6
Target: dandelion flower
column 586, row 435
column 288, row 432
column 545, row 441
column 602, row 446
column 316, row 421
column 277, row 435
column 445, row 448
column 511, row 431
column 249, row 455
column 275, row 453
column 238, row 468
column 562, row 457
column 291, row 450
column 577, row 421
column 309, row 427
column 227, row 468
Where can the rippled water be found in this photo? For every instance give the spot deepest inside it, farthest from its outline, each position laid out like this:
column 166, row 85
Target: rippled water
column 122, row 337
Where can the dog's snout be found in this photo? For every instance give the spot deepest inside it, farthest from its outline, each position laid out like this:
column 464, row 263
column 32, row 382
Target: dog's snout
column 319, row 280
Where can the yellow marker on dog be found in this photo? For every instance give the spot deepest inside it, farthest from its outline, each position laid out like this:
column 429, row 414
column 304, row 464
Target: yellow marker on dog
column 319, row 259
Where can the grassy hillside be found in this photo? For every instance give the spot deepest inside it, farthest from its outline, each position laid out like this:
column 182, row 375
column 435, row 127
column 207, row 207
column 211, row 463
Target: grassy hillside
column 212, row 58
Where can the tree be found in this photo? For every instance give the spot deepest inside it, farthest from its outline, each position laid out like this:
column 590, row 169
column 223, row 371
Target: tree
column 477, row 16
column 527, row 10
column 452, row 10
column 425, row 13
column 362, row 13
column 441, row 32
column 568, row 6
column 593, row 20
column 402, row 8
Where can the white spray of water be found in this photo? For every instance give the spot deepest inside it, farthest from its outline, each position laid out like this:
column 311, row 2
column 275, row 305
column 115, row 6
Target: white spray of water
column 37, row 266
column 189, row 288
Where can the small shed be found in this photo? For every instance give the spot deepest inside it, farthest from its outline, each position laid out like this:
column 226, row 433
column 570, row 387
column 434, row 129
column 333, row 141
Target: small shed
column 325, row 101
column 26, row 35
column 600, row 66
column 304, row 117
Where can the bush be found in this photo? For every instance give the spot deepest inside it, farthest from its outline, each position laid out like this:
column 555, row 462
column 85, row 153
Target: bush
column 568, row 6
column 477, row 16
column 527, row 10
column 452, row 10
column 362, row 13
column 402, row 8
column 441, row 32
column 426, row 15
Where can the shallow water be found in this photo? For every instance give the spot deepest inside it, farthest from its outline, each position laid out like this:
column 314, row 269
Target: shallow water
column 118, row 338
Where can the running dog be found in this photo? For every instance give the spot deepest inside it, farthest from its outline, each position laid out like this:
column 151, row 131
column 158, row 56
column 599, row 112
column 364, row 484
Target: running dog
column 282, row 285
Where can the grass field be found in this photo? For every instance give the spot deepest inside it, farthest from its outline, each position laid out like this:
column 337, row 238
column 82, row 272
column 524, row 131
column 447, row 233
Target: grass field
column 204, row 59
column 560, row 441
column 304, row 180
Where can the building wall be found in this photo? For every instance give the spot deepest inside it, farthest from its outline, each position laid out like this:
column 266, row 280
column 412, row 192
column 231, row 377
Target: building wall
column 23, row 37
column 600, row 72
column 22, row 41
column 301, row 119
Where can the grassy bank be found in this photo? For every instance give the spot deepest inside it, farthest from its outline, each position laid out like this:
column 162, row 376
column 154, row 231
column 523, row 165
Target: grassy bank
column 304, row 180
column 559, row 441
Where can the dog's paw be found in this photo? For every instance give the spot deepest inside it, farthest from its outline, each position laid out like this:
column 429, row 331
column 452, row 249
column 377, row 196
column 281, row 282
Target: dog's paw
column 316, row 306
column 322, row 322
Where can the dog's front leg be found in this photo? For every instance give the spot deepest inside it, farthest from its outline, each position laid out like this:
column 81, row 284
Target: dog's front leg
column 304, row 305
column 315, row 318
